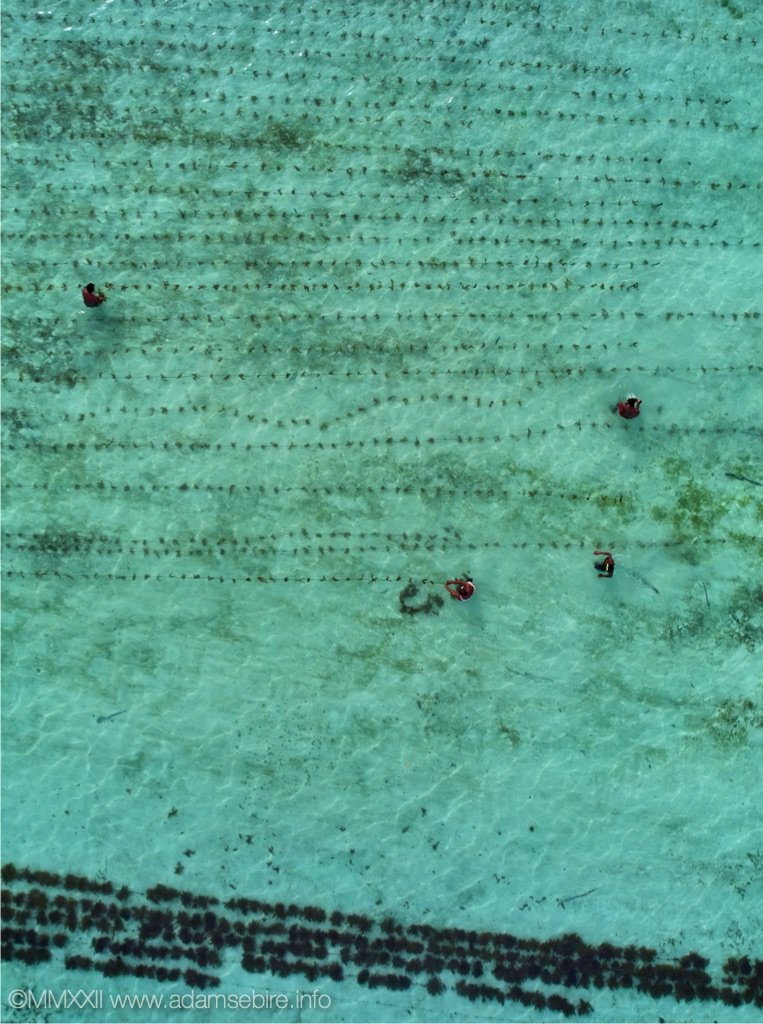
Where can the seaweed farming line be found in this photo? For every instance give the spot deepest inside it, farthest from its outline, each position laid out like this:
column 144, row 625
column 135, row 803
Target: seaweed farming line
column 395, row 149
column 231, row 242
column 104, row 487
column 396, row 85
column 20, row 418
column 68, row 547
column 30, row 374
column 167, row 934
column 450, row 316
column 463, row 59
column 74, row 540
column 396, row 89
column 188, row 577
column 423, row 169
column 591, row 211
column 342, row 347
column 464, row 63
column 565, row 266
column 368, row 281
column 74, row 543
column 37, row 265
column 254, row 577
column 544, row 242
column 64, row 545
column 370, row 285
column 394, row 42
column 115, row 445
column 418, row 166
column 72, row 377
column 125, row 130
column 265, row 17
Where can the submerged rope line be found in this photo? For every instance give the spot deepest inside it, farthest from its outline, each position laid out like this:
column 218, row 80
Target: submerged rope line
column 301, row 17
column 206, row 578
column 68, row 543
column 376, row 442
column 72, row 377
column 246, row 490
column 438, row 317
column 209, row 577
column 123, row 129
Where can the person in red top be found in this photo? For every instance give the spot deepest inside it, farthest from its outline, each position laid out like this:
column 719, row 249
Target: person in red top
column 607, row 567
column 462, row 589
column 91, row 297
column 630, row 408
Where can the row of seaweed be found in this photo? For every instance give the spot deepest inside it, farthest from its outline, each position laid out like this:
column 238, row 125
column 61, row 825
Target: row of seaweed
column 503, row 265
column 626, row 215
column 250, row 192
column 73, row 542
column 399, row 23
column 581, row 242
column 183, row 133
column 384, row 212
column 434, row 492
column 348, row 346
column 115, row 446
column 60, row 547
column 595, row 100
column 500, row 373
column 456, row 315
column 369, row 284
column 436, row 316
column 206, row 577
column 419, row 165
column 397, row 85
column 506, row 265
column 465, row 60
column 172, row 933
column 442, row 59
column 425, row 165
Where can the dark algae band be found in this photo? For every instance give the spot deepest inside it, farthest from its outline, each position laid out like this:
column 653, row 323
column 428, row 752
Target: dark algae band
column 171, row 935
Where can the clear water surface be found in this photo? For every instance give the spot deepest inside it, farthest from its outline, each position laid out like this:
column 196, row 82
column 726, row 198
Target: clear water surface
column 376, row 276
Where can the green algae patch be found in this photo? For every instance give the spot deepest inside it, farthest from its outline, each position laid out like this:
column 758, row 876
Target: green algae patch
column 739, row 622
column 734, row 10
column 733, row 720
column 681, row 629
column 511, row 734
column 418, row 164
column 694, row 512
column 744, row 621
column 285, row 135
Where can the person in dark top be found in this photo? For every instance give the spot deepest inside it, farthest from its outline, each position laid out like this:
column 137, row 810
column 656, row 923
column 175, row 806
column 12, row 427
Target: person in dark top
column 91, row 297
column 462, row 590
column 607, row 567
column 630, row 408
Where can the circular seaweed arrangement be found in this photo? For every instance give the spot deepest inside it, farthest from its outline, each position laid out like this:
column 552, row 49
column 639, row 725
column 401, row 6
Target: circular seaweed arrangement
column 431, row 606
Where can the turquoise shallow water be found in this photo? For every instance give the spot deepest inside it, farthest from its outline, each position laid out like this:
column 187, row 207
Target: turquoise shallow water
column 376, row 276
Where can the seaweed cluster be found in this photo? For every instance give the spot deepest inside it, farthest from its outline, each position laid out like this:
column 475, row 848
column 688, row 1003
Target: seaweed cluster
column 430, row 606
column 169, row 934
column 296, row 542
